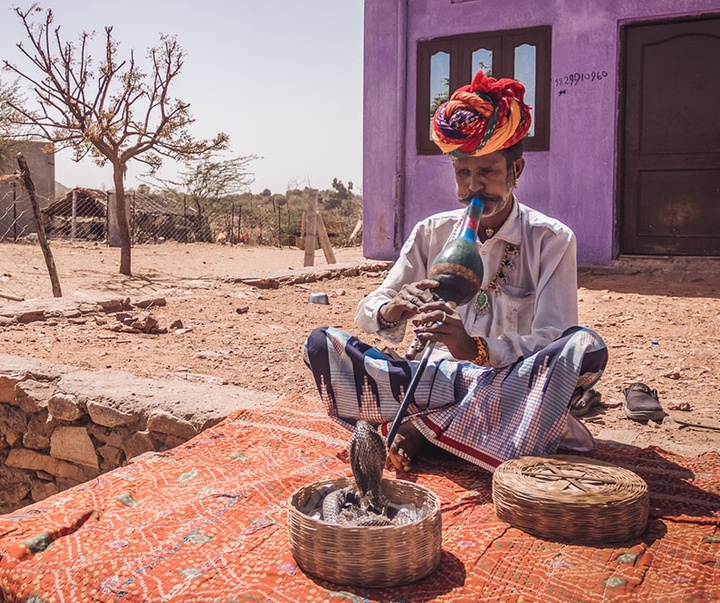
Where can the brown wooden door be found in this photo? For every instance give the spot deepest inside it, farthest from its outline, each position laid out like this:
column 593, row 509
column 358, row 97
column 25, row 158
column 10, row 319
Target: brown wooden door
column 670, row 193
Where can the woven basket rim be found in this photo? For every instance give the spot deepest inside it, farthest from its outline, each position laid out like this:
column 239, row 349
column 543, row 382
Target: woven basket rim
column 342, row 482
column 622, row 484
column 367, row 556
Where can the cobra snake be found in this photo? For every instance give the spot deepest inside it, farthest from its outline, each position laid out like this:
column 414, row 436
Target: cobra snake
column 365, row 505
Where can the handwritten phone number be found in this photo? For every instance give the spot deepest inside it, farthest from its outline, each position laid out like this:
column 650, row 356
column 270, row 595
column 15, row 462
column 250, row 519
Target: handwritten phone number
column 574, row 79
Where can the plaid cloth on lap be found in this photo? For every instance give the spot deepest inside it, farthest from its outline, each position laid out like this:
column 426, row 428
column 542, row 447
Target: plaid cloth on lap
column 482, row 415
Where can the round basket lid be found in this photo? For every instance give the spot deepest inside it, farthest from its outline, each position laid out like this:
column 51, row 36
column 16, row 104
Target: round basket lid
column 563, row 497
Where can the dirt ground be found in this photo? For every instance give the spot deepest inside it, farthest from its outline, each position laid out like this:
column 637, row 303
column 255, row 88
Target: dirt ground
column 660, row 318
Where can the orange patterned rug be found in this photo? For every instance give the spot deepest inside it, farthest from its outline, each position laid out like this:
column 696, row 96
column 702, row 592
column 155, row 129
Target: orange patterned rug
column 206, row 522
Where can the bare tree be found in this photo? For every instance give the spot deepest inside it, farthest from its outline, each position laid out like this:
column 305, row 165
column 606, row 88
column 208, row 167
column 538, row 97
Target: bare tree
column 208, row 181
column 114, row 114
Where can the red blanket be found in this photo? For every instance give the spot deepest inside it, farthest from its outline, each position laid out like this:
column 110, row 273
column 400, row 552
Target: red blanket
column 207, row 522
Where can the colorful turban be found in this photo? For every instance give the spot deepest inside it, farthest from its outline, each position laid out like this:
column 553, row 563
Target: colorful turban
column 484, row 117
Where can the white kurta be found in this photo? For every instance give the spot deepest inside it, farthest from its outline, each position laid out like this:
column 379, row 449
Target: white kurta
column 538, row 302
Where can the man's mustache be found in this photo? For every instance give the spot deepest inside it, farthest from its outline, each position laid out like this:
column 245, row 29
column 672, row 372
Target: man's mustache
column 467, row 198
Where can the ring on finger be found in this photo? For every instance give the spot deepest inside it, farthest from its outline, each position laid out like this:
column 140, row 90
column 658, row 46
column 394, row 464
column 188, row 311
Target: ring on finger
column 444, row 318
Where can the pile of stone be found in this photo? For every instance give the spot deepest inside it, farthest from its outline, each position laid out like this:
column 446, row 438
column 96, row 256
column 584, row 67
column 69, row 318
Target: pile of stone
column 73, row 309
column 117, row 314
column 137, row 322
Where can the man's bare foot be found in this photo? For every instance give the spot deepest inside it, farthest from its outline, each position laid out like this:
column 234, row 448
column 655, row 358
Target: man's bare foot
column 407, row 443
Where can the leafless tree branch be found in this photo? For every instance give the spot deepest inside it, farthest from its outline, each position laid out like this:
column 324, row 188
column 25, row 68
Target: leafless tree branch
column 115, row 114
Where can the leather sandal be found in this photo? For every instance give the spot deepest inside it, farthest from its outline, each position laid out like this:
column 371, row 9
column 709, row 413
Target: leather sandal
column 583, row 405
column 641, row 403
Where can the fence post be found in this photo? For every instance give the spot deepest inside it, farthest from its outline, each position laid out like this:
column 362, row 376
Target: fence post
column 185, row 217
column 240, row 223
column 324, row 240
column 108, row 211
column 14, row 184
column 303, row 227
column 310, row 227
column 73, row 223
column 232, row 223
column 132, row 220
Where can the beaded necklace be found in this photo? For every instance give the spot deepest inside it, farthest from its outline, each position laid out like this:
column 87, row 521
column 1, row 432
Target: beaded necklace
column 482, row 301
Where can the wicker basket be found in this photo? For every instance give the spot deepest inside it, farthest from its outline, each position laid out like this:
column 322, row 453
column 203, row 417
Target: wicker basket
column 373, row 557
column 571, row 498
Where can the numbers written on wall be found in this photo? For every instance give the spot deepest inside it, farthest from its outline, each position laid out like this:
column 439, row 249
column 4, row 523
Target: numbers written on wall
column 573, row 79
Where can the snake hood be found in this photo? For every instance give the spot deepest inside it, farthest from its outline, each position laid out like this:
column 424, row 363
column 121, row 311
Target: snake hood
column 367, row 459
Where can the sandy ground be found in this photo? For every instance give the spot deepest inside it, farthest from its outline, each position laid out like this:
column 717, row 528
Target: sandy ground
column 660, row 318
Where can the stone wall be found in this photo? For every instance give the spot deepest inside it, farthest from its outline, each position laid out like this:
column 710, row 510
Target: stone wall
column 61, row 426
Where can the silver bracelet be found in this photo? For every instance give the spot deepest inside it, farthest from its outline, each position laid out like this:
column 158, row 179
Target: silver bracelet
column 385, row 324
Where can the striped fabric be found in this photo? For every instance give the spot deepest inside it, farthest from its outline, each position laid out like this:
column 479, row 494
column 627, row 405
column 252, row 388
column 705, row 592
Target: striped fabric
column 482, row 415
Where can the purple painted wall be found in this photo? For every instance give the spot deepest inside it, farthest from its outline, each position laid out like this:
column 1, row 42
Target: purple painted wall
column 575, row 181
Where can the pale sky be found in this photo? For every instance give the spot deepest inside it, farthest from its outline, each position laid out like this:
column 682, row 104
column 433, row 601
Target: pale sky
column 283, row 78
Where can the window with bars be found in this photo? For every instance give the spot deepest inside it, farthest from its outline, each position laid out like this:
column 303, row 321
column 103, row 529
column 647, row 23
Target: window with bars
column 445, row 64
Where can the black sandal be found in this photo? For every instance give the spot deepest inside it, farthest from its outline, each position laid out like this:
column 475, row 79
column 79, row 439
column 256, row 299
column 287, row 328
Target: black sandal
column 641, row 403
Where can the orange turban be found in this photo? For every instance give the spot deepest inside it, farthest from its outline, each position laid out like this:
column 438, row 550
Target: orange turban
column 484, row 117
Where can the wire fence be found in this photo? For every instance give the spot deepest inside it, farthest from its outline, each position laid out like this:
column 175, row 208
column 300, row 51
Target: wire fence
column 277, row 220
column 88, row 215
column 16, row 215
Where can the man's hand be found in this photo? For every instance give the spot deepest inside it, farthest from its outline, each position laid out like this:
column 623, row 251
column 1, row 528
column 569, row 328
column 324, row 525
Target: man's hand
column 408, row 301
column 438, row 321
